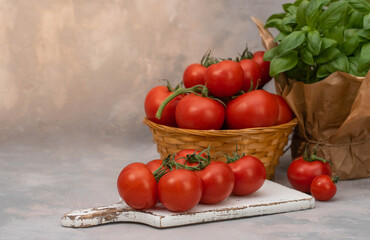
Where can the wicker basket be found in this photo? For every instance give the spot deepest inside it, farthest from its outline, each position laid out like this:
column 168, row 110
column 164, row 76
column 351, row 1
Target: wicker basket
column 267, row 144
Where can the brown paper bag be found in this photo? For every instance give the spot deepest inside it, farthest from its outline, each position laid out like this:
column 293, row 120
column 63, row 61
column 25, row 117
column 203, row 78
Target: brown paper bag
column 333, row 115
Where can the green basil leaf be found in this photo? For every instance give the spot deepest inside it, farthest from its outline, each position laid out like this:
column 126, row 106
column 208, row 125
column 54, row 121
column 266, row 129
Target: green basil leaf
column 276, row 16
column 335, row 33
column 289, row 20
column 270, row 54
column 364, row 33
column 298, row 2
column 361, row 6
column 283, row 62
column 314, row 42
column 307, row 57
column 328, row 55
column 350, row 45
column 312, row 13
column 292, row 9
column 301, row 13
column 286, row 6
column 292, row 41
column 332, row 15
column 341, row 63
column 327, row 43
column 355, row 20
column 353, row 64
column 364, row 61
column 323, row 3
column 367, row 21
column 323, row 71
column 274, row 23
column 280, row 37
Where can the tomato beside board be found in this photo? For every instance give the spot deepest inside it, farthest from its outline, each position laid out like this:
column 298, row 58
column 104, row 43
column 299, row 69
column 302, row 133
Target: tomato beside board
column 323, row 188
column 153, row 100
column 137, row 186
column 218, row 182
column 257, row 108
column 301, row 172
column 197, row 112
column 180, row 190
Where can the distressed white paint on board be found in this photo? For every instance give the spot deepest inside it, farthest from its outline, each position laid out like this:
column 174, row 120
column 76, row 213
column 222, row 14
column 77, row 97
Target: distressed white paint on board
column 270, row 199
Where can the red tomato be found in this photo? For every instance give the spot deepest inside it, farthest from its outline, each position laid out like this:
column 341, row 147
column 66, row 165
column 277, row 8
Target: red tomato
column 154, row 164
column 181, row 157
column 154, row 98
column 180, row 190
column 137, row 186
column 285, row 113
column 323, row 188
column 257, row 108
column 218, row 182
column 250, row 175
column 252, row 74
column 264, row 66
column 194, row 75
column 301, row 173
column 224, row 79
column 196, row 112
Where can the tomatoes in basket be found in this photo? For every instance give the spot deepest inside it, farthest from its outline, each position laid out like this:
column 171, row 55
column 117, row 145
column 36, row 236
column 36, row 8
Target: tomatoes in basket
column 153, row 100
column 303, row 170
column 137, row 186
column 257, row 108
column 224, row 79
column 323, row 188
column 197, row 112
column 194, row 75
column 250, row 175
column 285, row 113
column 218, row 182
column 179, row 190
column 252, row 74
column 264, row 66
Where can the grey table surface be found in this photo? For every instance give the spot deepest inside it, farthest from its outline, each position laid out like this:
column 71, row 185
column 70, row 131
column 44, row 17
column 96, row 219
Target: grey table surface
column 42, row 180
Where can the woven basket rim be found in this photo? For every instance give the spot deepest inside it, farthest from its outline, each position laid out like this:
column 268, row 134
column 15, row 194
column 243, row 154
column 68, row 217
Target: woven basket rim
column 222, row 133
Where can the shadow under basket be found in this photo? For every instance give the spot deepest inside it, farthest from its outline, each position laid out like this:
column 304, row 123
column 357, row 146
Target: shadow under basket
column 265, row 143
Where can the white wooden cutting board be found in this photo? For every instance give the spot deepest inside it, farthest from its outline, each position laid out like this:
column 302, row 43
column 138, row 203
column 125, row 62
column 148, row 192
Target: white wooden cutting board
column 270, row 199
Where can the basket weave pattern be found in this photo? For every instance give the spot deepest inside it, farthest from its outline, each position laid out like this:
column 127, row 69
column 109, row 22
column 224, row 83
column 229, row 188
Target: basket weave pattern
column 267, row 144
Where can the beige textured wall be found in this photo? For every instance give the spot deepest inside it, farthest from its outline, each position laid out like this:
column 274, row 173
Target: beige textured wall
column 85, row 66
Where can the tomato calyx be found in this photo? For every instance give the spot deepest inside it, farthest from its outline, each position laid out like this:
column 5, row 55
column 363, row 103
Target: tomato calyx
column 313, row 157
column 208, row 60
column 235, row 157
column 169, row 163
column 246, row 54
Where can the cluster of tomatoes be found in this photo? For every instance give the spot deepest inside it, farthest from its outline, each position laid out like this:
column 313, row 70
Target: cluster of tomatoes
column 312, row 174
column 187, row 178
column 219, row 94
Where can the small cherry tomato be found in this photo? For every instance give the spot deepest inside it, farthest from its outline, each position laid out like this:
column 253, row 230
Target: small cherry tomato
column 179, row 190
column 250, row 175
column 323, row 188
column 194, row 75
column 137, row 186
column 218, row 182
